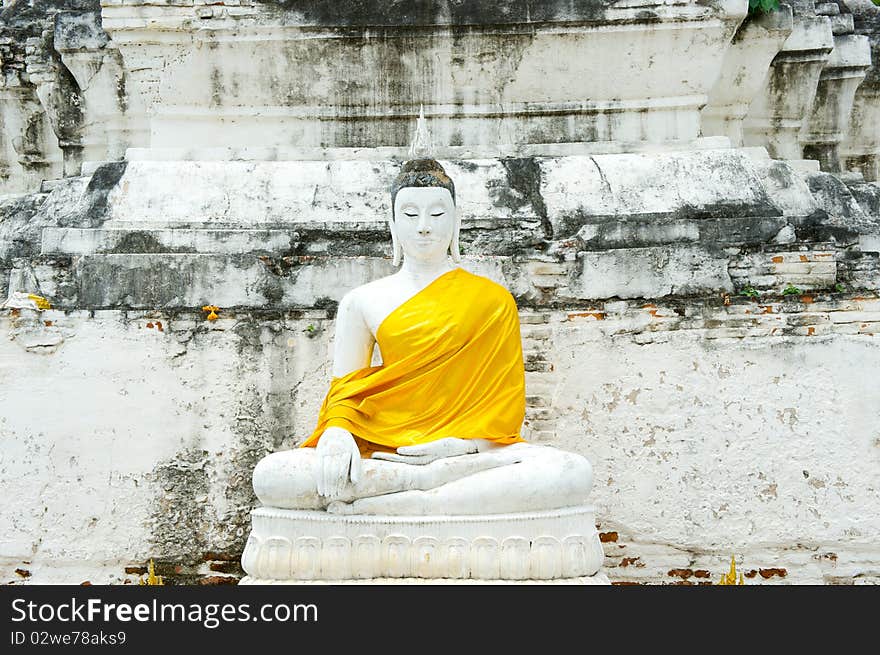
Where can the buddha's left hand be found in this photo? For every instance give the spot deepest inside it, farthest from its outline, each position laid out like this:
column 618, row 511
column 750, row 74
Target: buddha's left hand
column 428, row 452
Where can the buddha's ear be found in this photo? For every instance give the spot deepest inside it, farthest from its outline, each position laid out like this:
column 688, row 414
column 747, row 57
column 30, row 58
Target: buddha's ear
column 454, row 248
column 396, row 250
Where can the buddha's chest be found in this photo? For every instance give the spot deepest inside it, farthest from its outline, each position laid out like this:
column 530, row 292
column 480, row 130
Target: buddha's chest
column 378, row 306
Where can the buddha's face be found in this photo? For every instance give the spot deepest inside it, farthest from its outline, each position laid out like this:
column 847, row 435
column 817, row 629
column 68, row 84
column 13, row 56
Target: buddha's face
column 424, row 222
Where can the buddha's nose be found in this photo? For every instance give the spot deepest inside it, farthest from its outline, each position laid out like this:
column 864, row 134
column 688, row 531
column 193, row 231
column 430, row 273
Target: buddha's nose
column 424, row 226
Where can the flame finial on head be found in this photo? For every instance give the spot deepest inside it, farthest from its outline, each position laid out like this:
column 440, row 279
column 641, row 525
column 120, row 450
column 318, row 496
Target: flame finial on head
column 422, row 170
column 422, row 146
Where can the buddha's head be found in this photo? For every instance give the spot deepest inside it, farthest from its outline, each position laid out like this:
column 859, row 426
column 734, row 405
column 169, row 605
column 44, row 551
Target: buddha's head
column 424, row 219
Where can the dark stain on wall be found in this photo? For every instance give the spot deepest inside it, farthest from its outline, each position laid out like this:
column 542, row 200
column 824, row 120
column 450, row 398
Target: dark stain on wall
column 397, row 13
column 103, row 180
column 524, row 178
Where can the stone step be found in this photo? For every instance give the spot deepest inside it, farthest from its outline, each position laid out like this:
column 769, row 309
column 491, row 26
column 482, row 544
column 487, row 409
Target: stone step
column 532, row 354
column 186, row 280
column 537, row 385
column 534, row 318
column 274, row 193
column 47, row 185
column 165, row 280
column 536, row 332
column 84, row 241
column 644, row 231
column 649, row 272
column 401, row 153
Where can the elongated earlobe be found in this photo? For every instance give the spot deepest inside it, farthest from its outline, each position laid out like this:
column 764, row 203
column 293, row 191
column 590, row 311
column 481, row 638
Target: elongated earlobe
column 454, row 248
column 396, row 250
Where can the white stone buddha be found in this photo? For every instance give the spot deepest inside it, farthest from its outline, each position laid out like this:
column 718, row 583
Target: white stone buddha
column 445, row 473
column 416, row 467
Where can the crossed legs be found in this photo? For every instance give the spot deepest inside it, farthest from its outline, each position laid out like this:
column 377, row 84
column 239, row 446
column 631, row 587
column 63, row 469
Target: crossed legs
column 515, row 478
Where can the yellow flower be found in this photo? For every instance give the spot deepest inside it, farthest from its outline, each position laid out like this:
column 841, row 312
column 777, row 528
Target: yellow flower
column 212, row 309
column 41, row 302
column 152, row 578
column 730, row 577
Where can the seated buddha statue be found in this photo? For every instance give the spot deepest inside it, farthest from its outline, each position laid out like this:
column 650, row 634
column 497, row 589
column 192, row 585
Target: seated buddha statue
column 435, row 428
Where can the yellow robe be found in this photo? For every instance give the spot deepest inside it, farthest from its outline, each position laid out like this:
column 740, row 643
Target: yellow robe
column 452, row 367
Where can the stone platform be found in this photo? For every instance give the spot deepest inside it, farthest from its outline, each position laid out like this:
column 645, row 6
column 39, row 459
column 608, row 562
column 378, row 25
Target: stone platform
column 300, row 545
column 598, row 579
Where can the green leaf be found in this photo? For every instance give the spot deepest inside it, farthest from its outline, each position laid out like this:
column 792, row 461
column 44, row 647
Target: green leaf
column 764, row 6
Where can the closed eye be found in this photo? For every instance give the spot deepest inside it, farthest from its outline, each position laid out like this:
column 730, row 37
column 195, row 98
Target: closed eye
column 410, row 215
column 440, row 214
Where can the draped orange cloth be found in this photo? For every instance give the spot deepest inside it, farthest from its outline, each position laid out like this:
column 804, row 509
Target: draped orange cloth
column 452, row 366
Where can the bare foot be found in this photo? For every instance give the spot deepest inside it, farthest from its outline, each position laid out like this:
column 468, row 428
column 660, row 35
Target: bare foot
column 339, row 507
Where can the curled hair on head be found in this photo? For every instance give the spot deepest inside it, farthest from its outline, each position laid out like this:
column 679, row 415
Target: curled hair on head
column 421, row 173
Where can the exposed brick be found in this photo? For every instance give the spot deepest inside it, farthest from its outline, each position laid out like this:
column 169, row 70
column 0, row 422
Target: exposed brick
column 605, row 537
column 229, row 566
column 167, row 569
column 680, row 573
column 218, row 580
column 812, row 330
column 590, row 315
column 769, row 573
column 226, row 557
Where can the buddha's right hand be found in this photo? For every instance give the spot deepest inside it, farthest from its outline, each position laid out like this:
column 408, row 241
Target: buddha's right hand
column 433, row 450
column 337, row 460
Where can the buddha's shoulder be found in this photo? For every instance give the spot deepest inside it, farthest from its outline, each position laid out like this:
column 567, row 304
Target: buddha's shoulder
column 369, row 290
column 486, row 287
column 389, row 286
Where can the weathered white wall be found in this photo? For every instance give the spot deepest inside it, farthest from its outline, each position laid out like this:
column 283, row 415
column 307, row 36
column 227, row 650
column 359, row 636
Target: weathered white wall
column 763, row 447
column 120, row 442
column 128, row 431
